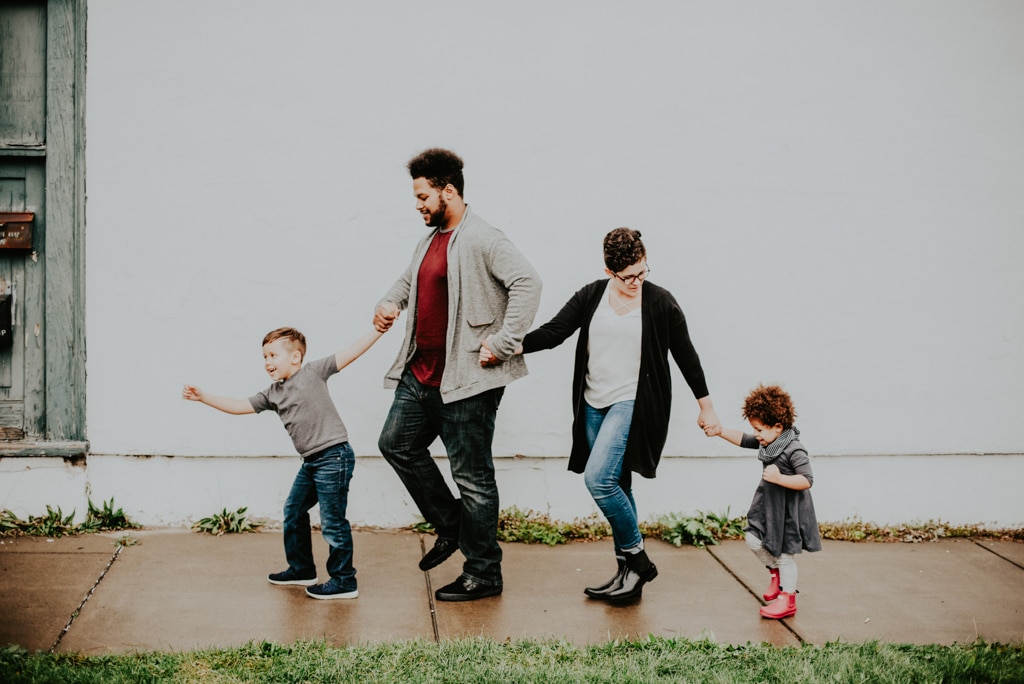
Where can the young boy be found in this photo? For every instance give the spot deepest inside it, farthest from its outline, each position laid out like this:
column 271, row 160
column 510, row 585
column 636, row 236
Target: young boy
column 781, row 521
column 300, row 397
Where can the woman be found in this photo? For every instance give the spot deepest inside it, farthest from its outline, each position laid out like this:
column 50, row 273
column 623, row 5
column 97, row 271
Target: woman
column 622, row 392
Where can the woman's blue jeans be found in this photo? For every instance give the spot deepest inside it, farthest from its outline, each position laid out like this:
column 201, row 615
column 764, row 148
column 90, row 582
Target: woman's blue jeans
column 466, row 428
column 324, row 480
column 607, row 481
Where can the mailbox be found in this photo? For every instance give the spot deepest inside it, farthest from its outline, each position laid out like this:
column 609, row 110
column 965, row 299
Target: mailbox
column 16, row 230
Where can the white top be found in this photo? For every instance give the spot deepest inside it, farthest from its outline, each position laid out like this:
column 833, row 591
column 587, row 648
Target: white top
column 614, row 350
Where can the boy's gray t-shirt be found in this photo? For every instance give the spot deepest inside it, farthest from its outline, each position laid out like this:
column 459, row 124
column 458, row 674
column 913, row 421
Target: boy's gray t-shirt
column 305, row 407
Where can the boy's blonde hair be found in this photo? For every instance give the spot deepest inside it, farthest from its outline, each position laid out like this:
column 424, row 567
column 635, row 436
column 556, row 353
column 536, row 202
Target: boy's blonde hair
column 770, row 405
column 297, row 339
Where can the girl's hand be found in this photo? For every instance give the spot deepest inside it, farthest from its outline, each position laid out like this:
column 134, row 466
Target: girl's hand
column 771, row 474
column 192, row 393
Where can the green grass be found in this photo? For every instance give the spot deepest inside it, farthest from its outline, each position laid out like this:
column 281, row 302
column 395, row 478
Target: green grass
column 481, row 660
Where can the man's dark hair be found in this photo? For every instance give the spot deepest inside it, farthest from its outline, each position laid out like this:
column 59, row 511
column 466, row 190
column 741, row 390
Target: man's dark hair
column 440, row 167
column 623, row 248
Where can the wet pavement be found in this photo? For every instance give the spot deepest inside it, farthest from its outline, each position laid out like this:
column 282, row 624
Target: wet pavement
column 176, row 590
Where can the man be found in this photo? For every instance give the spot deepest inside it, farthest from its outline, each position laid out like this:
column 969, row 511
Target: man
column 466, row 282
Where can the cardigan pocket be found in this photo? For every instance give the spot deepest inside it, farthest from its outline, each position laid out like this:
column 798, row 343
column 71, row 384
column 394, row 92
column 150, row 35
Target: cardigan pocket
column 479, row 327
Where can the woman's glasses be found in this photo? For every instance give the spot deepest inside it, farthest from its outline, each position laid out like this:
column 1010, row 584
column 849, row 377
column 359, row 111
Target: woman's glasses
column 629, row 280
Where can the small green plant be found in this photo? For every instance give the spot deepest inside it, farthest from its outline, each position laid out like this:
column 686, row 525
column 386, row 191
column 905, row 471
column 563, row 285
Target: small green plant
column 53, row 524
column 107, row 518
column 699, row 530
column 10, row 524
column 127, row 540
column 227, row 522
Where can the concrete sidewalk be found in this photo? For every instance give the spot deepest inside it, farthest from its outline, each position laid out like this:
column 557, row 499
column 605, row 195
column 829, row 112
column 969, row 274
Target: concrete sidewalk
column 177, row 590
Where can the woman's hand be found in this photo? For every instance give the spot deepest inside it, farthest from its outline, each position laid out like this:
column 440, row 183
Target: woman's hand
column 487, row 357
column 708, row 419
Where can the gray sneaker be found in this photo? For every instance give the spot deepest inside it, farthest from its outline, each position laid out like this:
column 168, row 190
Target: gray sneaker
column 289, row 576
column 333, row 589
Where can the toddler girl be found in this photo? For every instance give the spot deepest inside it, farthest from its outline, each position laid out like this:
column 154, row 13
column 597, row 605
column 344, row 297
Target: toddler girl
column 781, row 520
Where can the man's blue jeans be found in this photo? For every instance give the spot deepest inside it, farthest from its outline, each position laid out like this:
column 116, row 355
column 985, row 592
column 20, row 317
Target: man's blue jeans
column 608, row 483
column 466, row 428
column 322, row 480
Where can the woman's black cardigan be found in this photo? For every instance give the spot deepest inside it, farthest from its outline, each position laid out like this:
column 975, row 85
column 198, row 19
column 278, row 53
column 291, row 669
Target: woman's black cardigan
column 663, row 331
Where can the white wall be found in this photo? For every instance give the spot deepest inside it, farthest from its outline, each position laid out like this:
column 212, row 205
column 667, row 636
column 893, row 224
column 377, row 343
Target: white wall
column 832, row 190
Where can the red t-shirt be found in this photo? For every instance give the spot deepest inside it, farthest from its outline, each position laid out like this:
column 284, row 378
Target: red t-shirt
column 432, row 313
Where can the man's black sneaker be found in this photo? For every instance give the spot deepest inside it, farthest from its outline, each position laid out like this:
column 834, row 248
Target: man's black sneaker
column 443, row 548
column 333, row 589
column 465, row 589
column 289, row 576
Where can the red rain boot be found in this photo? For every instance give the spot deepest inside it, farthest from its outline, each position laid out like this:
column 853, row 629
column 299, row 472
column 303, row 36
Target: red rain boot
column 772, row 592
column 782, row 607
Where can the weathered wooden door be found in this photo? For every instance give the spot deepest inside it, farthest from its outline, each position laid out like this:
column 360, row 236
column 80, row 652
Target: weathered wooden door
column 21, row 286
column 42, row 373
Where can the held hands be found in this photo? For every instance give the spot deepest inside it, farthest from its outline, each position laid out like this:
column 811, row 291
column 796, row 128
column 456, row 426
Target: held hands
column 708, row 422
column 192, row 393
column 385, row 316
column 487, row 357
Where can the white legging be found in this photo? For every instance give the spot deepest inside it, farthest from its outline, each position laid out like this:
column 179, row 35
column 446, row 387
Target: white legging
column 785, row 563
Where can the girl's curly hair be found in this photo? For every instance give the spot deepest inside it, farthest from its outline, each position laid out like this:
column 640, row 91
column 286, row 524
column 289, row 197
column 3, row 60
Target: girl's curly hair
column 623, row 248
column 770, row 405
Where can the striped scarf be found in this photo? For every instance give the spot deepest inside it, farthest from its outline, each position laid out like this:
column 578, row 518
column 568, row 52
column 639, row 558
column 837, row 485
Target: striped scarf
column 769, row 453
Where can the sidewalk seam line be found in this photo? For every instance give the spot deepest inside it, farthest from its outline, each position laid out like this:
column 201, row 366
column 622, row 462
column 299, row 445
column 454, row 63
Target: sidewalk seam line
column 785, row 624
column 998, row 555
column 81, row 605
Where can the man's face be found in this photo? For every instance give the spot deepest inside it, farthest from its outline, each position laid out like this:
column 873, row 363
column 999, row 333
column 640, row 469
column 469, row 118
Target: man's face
column 430, row 203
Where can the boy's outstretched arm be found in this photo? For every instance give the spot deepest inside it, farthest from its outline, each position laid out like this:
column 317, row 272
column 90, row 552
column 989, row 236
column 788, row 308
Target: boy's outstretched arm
column 356, row 349
column 236, row 407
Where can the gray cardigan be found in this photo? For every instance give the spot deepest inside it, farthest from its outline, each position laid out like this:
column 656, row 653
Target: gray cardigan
column 498, row 294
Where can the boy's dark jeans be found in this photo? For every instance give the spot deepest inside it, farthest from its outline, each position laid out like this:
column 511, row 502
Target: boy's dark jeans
column 466, row 427
column 322, row 478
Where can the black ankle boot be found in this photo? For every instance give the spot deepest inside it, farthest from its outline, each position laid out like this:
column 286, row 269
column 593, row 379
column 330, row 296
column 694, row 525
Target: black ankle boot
column 614, row 583
column 639, row 571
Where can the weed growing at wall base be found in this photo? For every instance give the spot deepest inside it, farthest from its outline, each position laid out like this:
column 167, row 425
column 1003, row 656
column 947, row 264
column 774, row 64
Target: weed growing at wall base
column 227, row 522
column 703, row 529
column 56, row 524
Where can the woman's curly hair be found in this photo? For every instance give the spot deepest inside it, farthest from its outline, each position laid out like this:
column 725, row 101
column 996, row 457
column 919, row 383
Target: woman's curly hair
column 623, row 248
column 770, row 405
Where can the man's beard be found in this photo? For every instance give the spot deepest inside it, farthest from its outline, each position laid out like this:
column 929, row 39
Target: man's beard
column 435, row 219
